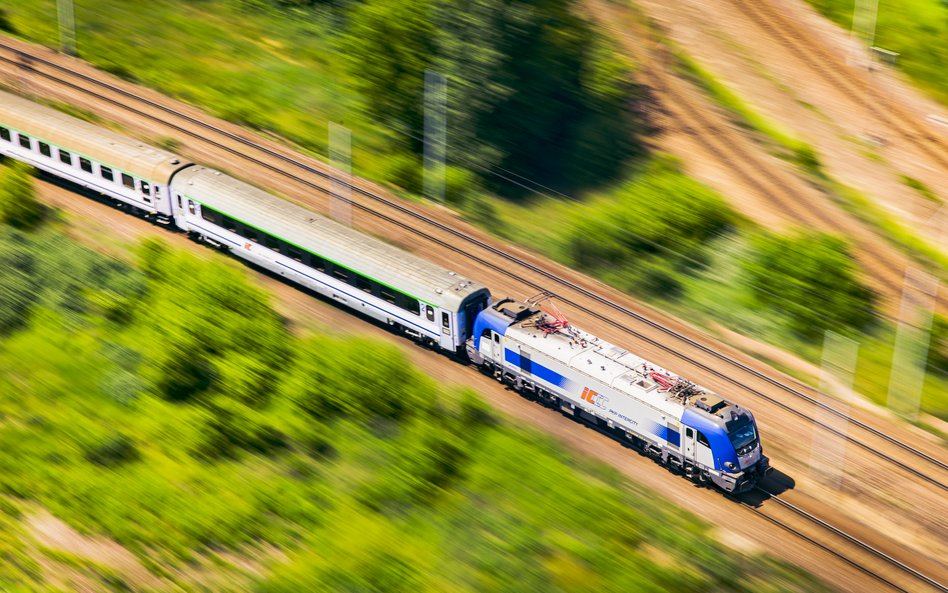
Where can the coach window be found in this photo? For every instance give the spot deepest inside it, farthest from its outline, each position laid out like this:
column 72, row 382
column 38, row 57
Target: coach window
column 294, row 253
column 127, row 181
column 5, row 134
column 106, row 173
column 272, row 242
column 703, row 440
column 45, row 150
column 146, row 188
column 317, row 263
column 429, row 312
column 363, row 283
column 445, row 319
column 25, row 142
column 85, row 164
column 208, row 214
column 251, row 234
column 65, row 157
column 340, row 273
column 228, row 223
column 387, row 294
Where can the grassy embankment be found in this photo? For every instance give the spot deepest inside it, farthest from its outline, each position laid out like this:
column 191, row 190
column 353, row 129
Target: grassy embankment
column 151, row 412
column 286, row 78
column 916, row 29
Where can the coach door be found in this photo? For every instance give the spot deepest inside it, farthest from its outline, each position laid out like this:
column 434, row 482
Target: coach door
column 688, row 445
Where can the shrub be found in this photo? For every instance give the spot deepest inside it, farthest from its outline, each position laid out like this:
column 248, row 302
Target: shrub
column 649, row 231
column 113, row 451
column 18, row 204
column 810, row 278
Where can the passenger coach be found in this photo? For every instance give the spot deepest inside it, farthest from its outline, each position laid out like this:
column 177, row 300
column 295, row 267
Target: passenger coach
column 424, row 300
column 126, row 170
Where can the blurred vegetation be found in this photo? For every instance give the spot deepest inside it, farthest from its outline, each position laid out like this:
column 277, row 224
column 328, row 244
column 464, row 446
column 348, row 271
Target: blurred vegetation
column 18, row 204
column 651, row 231
column 812, row 279
column 520, row 75
column 916, row 29
column 185, row 421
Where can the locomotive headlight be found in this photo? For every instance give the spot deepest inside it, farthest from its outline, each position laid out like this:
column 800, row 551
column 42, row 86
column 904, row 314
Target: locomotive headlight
column 730, row 465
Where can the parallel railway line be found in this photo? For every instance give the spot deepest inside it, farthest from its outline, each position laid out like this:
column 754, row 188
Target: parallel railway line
column 507, row 258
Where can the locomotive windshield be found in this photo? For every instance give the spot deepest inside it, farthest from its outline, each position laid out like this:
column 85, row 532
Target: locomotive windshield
column 743, row 435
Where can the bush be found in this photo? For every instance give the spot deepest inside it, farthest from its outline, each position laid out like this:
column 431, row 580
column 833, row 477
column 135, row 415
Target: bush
column 356, row 379
column 113, row 451
column 18, row 204
column 811, row 279
column 649, row 232
column 17, row 287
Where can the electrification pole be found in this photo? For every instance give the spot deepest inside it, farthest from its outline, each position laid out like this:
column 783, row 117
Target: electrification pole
column 67, row 26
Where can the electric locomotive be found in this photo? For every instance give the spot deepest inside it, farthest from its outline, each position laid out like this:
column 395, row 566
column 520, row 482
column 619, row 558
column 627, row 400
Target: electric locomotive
column 684, row 426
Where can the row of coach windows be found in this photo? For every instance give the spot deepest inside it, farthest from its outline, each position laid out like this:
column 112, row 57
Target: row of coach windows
column 85, row 164
column 367, row 285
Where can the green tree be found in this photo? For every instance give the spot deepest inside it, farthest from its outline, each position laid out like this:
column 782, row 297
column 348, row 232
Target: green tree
column 812, row 279
column 388, row 44
column 18, row 204
column 534, row 91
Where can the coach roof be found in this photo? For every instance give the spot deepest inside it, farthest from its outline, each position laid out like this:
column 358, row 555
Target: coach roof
column 324, row 237
column 88, row 140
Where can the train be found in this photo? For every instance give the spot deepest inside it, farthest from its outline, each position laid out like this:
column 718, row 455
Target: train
column 528, row 345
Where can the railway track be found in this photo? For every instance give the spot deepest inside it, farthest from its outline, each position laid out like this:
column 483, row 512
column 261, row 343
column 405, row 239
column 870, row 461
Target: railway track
column 500, row 261
column 801, row 42
column 797, row 392
column 841, row 538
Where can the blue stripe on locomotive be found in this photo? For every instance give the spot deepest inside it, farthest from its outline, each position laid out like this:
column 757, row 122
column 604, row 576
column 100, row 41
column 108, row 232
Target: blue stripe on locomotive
column 489, row 319
column 533, row 368
column 672, row 436
column 721, row 448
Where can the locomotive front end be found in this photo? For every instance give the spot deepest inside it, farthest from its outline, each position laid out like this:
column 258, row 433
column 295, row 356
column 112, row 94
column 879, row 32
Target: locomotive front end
column 751, row 464
column 734, row 460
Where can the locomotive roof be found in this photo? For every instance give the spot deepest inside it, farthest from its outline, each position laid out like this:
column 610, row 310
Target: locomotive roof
column 89, row 140
column 311, row 231
column 607, row 363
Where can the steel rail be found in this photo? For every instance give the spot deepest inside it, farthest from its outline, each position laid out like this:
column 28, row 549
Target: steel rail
column 846, row 536
column 491, row 249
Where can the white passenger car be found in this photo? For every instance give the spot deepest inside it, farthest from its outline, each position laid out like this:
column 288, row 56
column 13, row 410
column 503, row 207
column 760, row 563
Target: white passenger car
column 426, row 301
column 121, row 168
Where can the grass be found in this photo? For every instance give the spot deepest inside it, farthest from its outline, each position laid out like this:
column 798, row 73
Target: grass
column 916, row 29
column 921, row 188
column 745, row 115
column 863, row 208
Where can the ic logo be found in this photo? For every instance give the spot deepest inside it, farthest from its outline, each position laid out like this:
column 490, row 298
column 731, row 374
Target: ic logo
column 594, row 397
